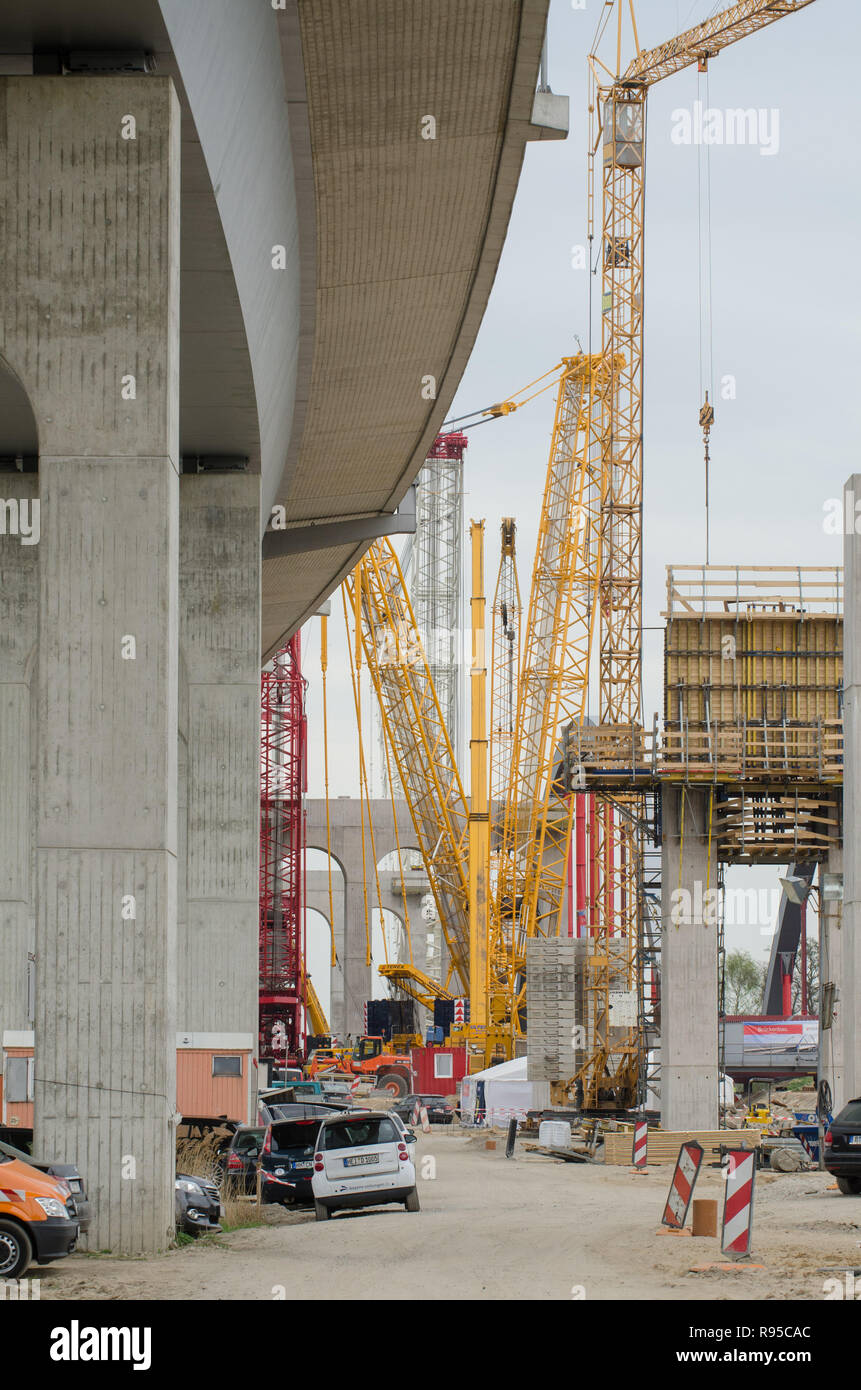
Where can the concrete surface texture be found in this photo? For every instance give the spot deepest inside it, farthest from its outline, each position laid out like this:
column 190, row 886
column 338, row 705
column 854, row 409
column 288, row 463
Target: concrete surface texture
column 689, row 964
column 523, row 1229
column 93, row 334
column 219, row 597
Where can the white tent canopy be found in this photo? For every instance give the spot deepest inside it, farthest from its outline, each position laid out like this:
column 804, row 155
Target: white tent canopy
column 507, row 1092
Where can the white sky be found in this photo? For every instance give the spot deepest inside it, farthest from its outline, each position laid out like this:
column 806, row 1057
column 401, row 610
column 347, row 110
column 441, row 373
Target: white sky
column 786, row 319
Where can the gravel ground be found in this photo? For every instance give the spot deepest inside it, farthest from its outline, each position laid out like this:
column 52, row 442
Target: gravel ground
column 492, row 1228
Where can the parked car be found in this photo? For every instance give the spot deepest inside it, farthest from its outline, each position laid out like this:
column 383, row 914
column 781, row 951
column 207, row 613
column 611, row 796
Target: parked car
column 439, row 1113
column 338, row 1091
column 239, row 1166
column 287, row 1109
column 66, row 1173
column 287, row 1155
column 362, row 1160
column 197, row 1205
column 37, row 1218
column 843, row 1148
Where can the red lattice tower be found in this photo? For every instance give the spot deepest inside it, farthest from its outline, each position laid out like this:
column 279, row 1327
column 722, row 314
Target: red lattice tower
column 283, row 733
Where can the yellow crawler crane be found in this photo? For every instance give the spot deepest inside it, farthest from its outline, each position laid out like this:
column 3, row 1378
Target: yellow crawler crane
column 418, row 740
column 506, row 622
column 554, row 674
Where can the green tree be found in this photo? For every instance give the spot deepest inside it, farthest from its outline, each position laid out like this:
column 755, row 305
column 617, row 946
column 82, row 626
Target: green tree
column 742, row 983
column 812, row 979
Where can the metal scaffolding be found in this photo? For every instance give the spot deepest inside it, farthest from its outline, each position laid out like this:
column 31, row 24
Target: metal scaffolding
column 436, row 573
column 282, row 856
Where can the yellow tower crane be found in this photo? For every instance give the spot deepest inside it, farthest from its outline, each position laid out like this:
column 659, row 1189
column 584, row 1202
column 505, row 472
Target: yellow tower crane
column 618, row 110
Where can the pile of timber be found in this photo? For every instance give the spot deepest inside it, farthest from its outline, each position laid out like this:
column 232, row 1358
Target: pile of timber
column 664, row 1144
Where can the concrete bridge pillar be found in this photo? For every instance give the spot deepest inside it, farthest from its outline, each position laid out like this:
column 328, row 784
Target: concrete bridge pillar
column 846, row 942
column 219, row 719
column 689, row 964
column 89, row 280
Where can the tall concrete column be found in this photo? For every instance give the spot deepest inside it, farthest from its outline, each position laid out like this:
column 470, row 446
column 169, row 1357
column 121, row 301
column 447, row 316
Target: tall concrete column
column 352, row 981
column 90, row 289
column 220, row 646
column 832, row 967
column 689, row 964
column 846, row 972
column 19, row 617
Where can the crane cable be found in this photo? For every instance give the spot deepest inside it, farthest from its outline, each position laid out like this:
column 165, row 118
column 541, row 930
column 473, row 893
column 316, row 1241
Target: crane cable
column 509, row 405
column 704, row 299
column 355, row 670
column 324, row 665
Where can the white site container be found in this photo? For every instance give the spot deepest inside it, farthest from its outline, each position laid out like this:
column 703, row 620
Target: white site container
column 554, row 1134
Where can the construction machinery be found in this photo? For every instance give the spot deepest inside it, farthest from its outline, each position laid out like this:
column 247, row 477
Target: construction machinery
column 587, row 580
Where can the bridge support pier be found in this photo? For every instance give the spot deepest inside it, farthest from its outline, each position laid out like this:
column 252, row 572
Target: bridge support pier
column 689, row 964
column 92, row 332
column 219, row 775
column 845, row 936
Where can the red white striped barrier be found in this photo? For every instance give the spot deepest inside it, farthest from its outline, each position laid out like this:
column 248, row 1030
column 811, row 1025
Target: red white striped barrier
column 416, row 1115
column 687, row 1171
column 640, row 1153
column 738, row 1203
column 423, row 1116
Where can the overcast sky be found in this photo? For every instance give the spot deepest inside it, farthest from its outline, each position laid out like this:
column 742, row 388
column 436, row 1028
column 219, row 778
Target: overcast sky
column 785, row 324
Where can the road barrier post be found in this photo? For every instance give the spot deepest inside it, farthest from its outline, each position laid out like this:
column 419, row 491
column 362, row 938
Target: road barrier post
column 640, row 1153
column 686, row 1172
column 738, row 1204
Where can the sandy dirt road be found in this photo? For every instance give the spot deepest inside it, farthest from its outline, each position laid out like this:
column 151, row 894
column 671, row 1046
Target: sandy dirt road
column 491, row 1228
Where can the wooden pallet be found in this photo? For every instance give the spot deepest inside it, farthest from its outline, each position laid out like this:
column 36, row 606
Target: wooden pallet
column 664, row 1145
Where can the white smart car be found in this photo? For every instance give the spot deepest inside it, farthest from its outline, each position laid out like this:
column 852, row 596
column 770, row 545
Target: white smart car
column 362, row 1160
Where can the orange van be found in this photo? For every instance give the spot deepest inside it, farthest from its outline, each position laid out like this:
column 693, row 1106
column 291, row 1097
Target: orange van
column 35, row 1220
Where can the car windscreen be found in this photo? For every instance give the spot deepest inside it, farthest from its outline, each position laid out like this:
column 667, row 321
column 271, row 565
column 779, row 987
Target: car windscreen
column 295, row 1137
column 248, row 1141
column 850, row 1114
column 307, row 1111
column 351, row 1134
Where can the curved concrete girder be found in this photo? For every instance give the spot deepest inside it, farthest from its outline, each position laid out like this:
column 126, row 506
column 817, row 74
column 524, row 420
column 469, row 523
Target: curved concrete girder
column 407, row 240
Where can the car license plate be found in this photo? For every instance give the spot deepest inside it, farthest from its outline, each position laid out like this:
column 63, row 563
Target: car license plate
column 855, row 1138
column 359, row 1160
column 297, row 1166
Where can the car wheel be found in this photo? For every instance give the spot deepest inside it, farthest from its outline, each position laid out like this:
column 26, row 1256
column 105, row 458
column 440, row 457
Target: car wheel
column 321, row 1212
column 412, row 1203
column 850, row 1187
column 393, row 1083
column 16, row 1252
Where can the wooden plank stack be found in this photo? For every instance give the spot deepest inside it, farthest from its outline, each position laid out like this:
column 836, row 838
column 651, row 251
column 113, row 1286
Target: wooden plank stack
column 664, row 1144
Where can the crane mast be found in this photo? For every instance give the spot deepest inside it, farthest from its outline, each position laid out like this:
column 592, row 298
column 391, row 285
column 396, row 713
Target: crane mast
column 554, row 673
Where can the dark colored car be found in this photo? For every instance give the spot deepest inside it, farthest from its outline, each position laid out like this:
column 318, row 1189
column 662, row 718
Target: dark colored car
column 286, row 1110
column 287, row 1156
column 65, row 1172
column 239, row 1168
column 843, row 1148
column 439, row 1113
column 197, row 1205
